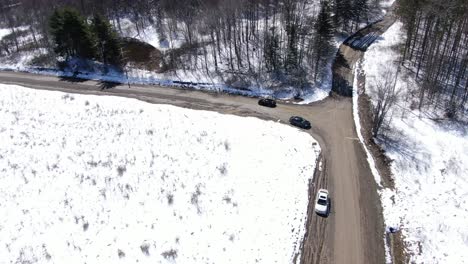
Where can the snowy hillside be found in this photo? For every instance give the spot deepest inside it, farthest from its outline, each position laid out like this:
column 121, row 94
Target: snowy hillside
column 430, row 165
column 89, row 179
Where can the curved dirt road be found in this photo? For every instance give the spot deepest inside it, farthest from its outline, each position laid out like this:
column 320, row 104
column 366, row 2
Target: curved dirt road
column 353, row 233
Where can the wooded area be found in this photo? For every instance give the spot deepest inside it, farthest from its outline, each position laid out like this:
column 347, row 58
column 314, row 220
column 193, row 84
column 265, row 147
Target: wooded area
column 256, row 41
column 288, row 40
column 436, row 50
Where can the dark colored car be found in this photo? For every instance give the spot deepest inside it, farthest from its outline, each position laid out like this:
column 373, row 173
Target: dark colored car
column 267, row 102
column 299, row 122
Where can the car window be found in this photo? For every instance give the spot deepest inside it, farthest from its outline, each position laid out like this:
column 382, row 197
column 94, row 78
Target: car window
column 322, row 202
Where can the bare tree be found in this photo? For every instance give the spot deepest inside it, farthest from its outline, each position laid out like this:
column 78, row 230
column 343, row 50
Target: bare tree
column 435, row 48
column 285, row 42
column 387, row 97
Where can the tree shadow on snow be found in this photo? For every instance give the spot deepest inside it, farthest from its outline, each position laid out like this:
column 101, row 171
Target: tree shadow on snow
column 104, row 85
column 72, row 79
column 399, row 143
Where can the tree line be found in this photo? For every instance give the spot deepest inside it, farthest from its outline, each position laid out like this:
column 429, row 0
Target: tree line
column 74, row 37
column 436, row 50
column 292, row 40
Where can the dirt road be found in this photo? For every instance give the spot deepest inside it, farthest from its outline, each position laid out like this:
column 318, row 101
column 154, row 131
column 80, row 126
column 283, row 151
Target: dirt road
column 353, row 233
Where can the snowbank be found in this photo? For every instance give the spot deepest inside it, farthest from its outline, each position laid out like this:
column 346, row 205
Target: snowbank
column 4, row 32
column 100, row 179
column 357, row 121
column 7, row 31
column 430, row 164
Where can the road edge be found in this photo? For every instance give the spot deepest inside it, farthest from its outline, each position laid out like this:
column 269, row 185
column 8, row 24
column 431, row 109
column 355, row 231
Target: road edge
column 318, row 181
column 394, row 241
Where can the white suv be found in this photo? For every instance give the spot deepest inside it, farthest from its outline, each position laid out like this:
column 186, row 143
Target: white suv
column 322, row 202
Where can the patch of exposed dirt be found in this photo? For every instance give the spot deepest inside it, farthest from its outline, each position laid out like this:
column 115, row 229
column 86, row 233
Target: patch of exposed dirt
column 142, row 55
column 177, row 58
column 365, row 113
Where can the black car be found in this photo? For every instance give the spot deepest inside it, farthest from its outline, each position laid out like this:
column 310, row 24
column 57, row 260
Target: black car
column 299, row 122
column 267, row 102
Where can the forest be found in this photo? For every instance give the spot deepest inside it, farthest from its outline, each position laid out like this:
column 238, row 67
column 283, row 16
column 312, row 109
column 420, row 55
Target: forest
column 436, row 51
column 291, row 42
column 265, row 43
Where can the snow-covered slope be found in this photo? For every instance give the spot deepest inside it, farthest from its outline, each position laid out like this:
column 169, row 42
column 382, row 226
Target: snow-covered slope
column 149, row 35
column 430, row 165
column 89, row 179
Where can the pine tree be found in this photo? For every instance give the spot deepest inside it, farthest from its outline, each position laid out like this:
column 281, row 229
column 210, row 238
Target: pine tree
column 323, row 40
column 292, row 30
column 72, row 35
column 291, row 62
column 343, row 14
column 57, row 29
column 360, row 11
column 271, row 51
column 107, row 41
column 79, row 32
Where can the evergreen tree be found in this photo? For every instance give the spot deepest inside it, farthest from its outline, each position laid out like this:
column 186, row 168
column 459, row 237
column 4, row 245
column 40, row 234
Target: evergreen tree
column 57, row 30
column 291, row 62
column 108, row 44
column 292, row 30
column 72, row 35
column 271, row 51
column 323, row 40
column 343, row 14
column 79, row 32
column 360, row 11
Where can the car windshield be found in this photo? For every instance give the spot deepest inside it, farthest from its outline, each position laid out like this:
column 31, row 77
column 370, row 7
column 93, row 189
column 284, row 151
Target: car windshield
column 322, row 202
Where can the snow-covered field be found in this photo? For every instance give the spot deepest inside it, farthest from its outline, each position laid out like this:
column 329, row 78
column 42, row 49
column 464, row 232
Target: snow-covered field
column 430, row 164
column 98, row 179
